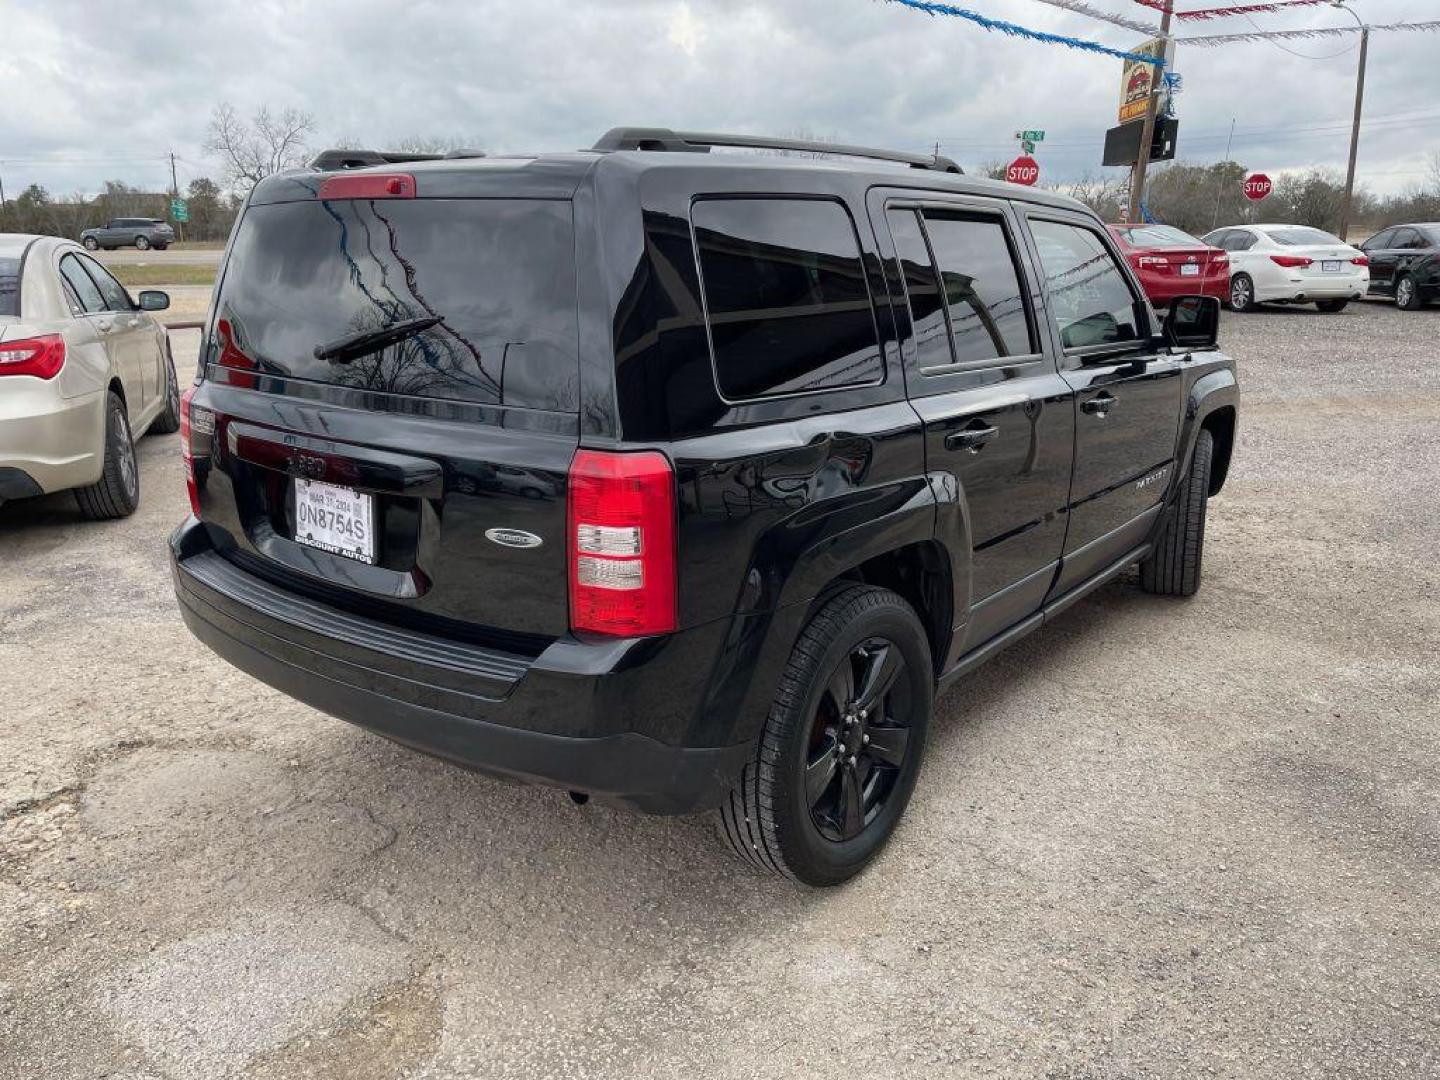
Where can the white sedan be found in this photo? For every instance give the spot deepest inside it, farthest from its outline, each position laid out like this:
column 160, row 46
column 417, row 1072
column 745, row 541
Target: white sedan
column 1291, row 264
column 84, row 371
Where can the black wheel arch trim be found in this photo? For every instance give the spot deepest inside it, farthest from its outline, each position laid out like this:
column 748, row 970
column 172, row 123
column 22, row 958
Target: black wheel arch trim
column 1213, row 401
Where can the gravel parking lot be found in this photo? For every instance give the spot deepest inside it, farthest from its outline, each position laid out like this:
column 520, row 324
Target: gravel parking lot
column 1155, row 839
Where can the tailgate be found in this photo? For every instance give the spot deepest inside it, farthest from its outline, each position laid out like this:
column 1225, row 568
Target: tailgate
column 389, row 410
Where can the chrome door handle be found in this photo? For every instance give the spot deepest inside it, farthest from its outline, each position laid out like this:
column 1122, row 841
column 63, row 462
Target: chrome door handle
column 1099, row 406
column 972, row 439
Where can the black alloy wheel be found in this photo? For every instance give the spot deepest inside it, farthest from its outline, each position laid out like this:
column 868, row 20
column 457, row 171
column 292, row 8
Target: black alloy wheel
column 859, row 740
column 841, row 749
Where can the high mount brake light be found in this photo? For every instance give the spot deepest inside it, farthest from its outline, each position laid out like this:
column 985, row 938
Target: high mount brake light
column 620, row 532
column 42, row 356
column 1291, row 260
column 369, row 186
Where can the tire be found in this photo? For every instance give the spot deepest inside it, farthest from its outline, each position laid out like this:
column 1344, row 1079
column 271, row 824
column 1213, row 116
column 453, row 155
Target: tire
column 1331, row 305
column 91, row 244
column 168, row 422
column 1173, row 567
column 142, row 244
column 859, row 635
column 117, row 493
column 1407, row 294
column 1242, row 293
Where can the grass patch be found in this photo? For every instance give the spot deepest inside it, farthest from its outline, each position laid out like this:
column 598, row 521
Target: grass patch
column 140, row 275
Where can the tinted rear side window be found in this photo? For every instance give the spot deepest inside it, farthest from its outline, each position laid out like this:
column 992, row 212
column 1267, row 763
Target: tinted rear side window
column 499, row 273
column 786, row 301
column 9, row 286
column 982, row 287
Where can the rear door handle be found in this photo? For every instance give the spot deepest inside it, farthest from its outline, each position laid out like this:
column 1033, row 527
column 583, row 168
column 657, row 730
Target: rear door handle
column 1099, row 406
column 971, row 438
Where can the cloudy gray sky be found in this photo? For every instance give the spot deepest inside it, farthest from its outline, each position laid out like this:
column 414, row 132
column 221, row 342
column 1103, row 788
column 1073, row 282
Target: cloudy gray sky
column 93, row 90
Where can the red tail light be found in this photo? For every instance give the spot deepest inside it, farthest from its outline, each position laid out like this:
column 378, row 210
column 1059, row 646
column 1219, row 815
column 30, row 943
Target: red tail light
column 1290, row 260
column 1361, row 260
column 1219, row 258
column 41, row 356
column 185, row 452
column 369, row 186
column 1152, row 260
column 620, row 526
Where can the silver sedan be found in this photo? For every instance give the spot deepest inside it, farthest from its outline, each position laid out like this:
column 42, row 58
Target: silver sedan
column 84, row 371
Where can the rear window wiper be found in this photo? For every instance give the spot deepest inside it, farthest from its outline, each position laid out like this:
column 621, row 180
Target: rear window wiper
column 347, row 348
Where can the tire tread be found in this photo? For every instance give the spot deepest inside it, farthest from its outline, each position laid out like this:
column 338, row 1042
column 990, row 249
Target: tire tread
column 1173, row 566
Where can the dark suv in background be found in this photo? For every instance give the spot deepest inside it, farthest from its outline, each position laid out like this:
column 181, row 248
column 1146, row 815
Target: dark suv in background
column 680, row 479
column 141, row 233
column 1405, row 264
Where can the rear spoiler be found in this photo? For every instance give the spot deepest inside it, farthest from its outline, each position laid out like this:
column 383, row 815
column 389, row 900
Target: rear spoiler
column 334, row 160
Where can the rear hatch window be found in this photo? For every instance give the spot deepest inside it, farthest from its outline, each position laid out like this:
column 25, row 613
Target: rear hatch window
column 9, row 286
column 479, row 292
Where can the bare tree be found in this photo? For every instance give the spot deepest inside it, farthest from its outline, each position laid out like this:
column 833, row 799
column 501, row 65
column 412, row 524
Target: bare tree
column 435, row 144
column 251, row 151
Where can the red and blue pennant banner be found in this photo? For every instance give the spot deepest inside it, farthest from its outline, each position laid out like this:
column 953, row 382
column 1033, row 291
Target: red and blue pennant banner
column 931, row 8
column 1210, row 40
column 1269, row 7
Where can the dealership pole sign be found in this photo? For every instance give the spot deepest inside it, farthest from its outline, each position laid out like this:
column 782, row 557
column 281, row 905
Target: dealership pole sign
column 1257, row 186
column 1140, row 78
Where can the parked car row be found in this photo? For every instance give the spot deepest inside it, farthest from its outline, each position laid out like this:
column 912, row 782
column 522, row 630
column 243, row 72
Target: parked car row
column 1249, row 265
column 84, row 371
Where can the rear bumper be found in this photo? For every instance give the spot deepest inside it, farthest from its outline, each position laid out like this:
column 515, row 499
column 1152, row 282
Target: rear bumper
column 1162, row 291
column 57, row 442
column 1303, row 290
column 574, row 717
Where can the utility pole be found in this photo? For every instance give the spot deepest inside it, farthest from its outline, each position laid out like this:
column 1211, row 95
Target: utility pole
column 1215, row 217
column 175, row 194
column 1355, row 126
column 1147, row 130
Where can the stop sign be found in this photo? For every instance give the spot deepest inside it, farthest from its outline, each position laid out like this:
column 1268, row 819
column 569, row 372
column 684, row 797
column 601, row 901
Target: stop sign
column 1023, row 170
column 1257, row 186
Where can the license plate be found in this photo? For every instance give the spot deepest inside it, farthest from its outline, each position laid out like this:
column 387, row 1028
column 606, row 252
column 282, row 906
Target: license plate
column 335, row 519
column 1330, row 266
column 1189, row 269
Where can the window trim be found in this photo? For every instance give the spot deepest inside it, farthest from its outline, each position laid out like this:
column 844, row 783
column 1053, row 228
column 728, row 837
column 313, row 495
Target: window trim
column 979, row 210
column 764, row 196
column 85, row 258
column 1092, row 354
column 84, row 313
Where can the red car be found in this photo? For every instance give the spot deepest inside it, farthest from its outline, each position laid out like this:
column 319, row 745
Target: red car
column 1171, row 263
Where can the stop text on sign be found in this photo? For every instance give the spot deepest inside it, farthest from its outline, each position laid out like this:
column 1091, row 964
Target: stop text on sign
column 1023, row 170
column 1257, row 186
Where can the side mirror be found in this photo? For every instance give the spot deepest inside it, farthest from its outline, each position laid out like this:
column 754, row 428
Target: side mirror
column 1193, row 323
column 154, row 300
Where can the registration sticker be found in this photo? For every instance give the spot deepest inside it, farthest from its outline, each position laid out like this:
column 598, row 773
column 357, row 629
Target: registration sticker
column 337, row 519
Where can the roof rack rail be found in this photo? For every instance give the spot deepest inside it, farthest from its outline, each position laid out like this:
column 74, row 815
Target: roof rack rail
column 700, row 142
column 330, row 160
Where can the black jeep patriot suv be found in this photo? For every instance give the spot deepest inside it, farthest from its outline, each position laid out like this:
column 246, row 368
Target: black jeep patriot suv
column 682, row 479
